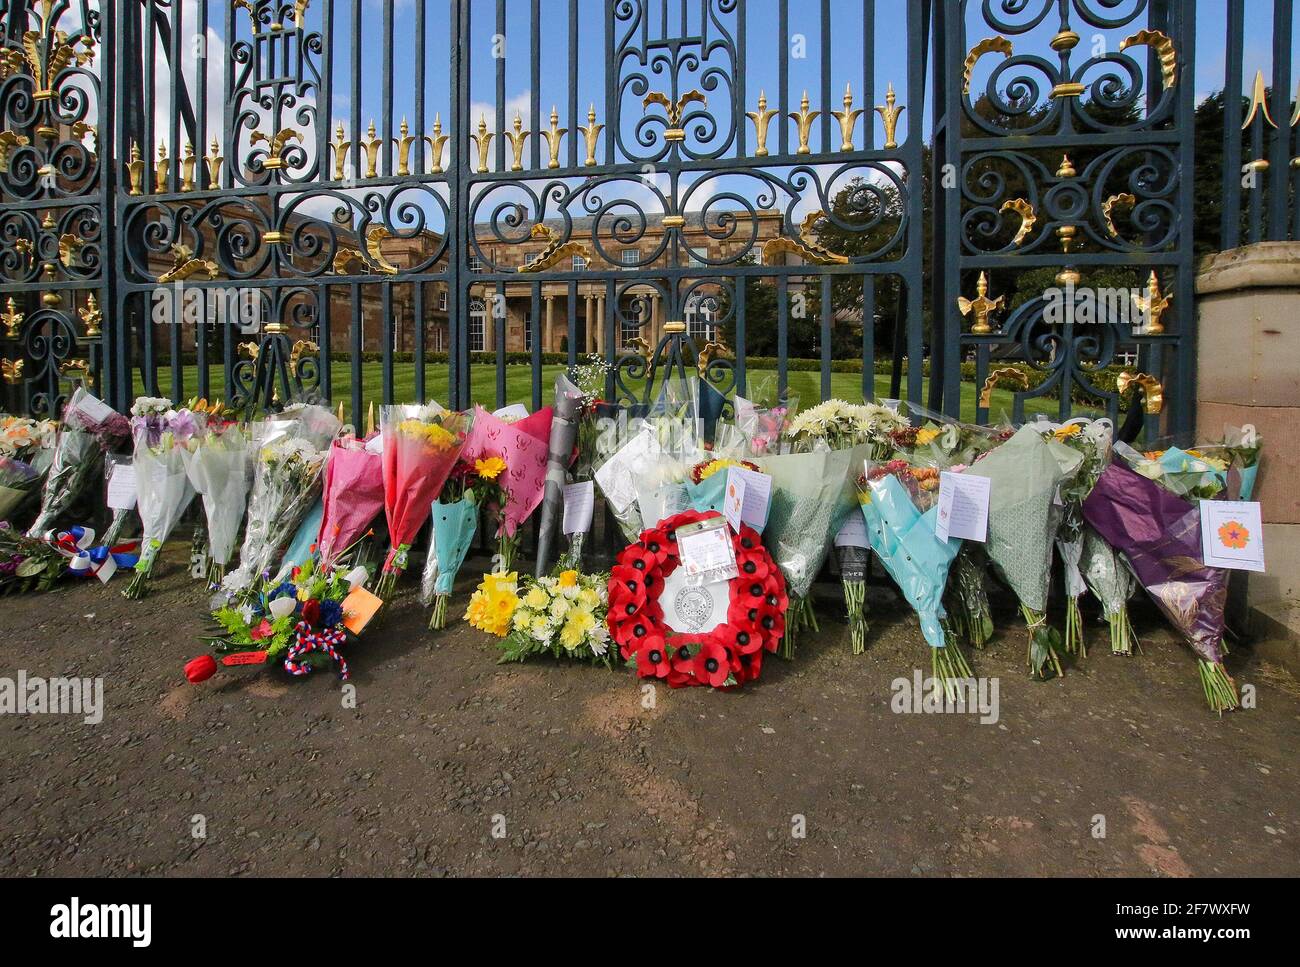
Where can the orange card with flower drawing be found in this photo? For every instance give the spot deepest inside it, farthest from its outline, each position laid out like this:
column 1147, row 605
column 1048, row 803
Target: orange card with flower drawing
column 358, row 608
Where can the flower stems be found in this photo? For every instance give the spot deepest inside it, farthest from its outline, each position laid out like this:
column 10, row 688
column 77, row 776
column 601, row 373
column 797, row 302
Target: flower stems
column 948, row 665
column 798, row 614
column 1076, row 642
column 1041, row 657
column 1122, row 638
column 855, row 602
column 1220, row 689
column 139, row 585
column 438, row 619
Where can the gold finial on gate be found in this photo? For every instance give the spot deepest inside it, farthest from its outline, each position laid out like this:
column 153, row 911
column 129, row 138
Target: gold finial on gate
column 676, row 112
column 482, row 141
column 12, row 370
column 13, row 319
column 804, row 118
column 555, row 137
column 371, row 146
column 592, row 133
column 889, row 115
column 161, row 169
column 404, row 149
column 761, row 118
column 981, row 306
column 848, row 118
column 1153, row 306
column 518, row 139
column 188, row 163
column 92, row 316
column 436, row 142
column 341, row 146
column 212, row 162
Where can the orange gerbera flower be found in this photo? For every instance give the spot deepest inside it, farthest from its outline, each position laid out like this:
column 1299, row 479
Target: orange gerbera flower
column 1234, row 535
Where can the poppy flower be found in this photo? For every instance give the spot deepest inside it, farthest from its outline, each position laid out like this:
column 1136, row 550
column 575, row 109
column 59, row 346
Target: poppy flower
column 748, row 642
column 683, row 659
column 748, row 667
column 679, row 680
column 754, row 566
column 653, row 658
column 200, row 669
column 712, row 664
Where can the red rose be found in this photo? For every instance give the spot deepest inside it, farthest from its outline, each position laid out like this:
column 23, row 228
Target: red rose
column 200, row 669
column 311, row 612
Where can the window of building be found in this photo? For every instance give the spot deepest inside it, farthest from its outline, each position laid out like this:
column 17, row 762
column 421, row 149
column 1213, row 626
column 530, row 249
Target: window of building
column 630, row 258
column 528, row 331
column 701, row 312
column 579, row 264
column 476, row 265
column 442, row 300
column 477, row 325
column 630, row 320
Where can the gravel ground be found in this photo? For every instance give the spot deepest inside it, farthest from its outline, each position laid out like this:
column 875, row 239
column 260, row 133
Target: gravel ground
column 452, row 765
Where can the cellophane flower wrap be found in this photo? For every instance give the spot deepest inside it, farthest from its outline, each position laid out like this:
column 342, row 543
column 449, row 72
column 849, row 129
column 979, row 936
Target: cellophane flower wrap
column 288, row 472
column 812, row 494
column 30, row 443
column 900, row 504
column 421, row 446
column 562, row 447
column 1091, row 439
column 524, row 447
column 89, row 429
column 353, row 495
column 1159, row 534
column 163, row 489
column 218, row 464
column 563, row 616
column 453, row 523
column 1025, row 473
column 837, row 425
column 296, row 621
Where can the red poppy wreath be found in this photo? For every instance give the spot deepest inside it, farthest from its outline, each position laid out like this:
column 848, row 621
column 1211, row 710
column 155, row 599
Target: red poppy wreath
column 726, row 656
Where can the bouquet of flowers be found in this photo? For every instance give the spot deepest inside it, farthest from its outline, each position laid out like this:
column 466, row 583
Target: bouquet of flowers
column 455, row 519
column 1026, row 473
column 523, row 447
column 562, row 615
column 217, row 464
column 90, row 428
column 1159, row 534
column 163, row 489
column 27, row 563
column 812, row 494
column 287, row 479
column 493, row 603
column 18, row 482
column 899, row 502
column 26, row 451
column 299, row 622
column 1091, row 440
column 352, row 498
column 421, row 446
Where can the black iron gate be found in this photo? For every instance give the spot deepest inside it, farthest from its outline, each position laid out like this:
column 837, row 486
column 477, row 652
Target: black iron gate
column 374, row 203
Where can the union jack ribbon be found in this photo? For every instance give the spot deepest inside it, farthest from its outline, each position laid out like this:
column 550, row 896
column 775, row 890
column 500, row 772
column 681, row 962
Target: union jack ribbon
column 309, row 641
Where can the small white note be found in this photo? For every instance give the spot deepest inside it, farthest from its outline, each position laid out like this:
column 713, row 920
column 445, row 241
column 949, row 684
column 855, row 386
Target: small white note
column 854, row 531
column 1232, row 534
column 963, row 507
column 579, row 506
column 93, row 408
column 706, row 552
column 107, row 569
column 512, row 413
column 121, row 487
column 733, row 499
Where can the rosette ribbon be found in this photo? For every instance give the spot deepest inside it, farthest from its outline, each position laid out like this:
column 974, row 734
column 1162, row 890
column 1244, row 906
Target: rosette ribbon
column 85, row 560
column 308, row 642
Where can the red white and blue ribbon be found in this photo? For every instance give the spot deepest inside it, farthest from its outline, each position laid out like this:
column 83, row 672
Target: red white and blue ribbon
column 309, row 641
column 87, row 561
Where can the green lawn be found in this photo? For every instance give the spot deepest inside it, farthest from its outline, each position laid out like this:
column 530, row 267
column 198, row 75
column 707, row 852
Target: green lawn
column 519, row 386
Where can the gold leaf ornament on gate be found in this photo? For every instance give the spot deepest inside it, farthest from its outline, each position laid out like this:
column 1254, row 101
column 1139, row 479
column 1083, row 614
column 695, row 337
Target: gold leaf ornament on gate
column 676, row 112
column 989, row 45
column 1153, row 394
column 806, row 246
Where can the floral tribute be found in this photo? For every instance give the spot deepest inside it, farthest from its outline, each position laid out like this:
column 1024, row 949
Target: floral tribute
column 561, row 615
column 726, row 657
column 298, row 622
